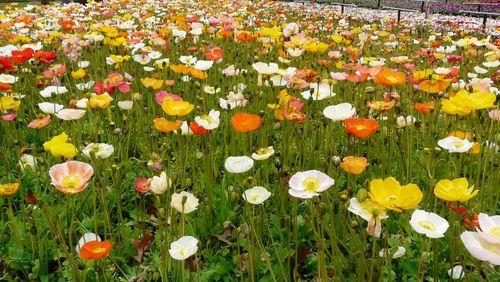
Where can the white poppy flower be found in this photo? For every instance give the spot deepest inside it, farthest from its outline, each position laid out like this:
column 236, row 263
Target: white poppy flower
column 308, row 184
column 203, row 65
column 320, row 91
column 239, row 164
column 48, row 91
column 454, row 144
column 188, row 60
column 490, row 228
column 493, row 64
column 210, row 89
column 263, row 153
column 481, row 249
column 256, row 195
column 400, row 251
column 184, row 202
column 429, row 224
column 183, row 248
column 85, row 86
column 339, row 112
column 480, row 70
column 70, row 114
column 27, row 160
column 403, row 121
column 142, row 59
column 263, row 68
column 7, row 78
column 160, row 184
column 456, row 272
column 83, row 64
column 82, row 103
column 210, row 121
column 100, row 150
column 125, row 105
column 50, row 108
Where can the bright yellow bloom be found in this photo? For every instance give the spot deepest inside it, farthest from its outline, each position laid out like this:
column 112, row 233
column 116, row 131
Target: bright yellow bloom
column 8, row 103
column 315, row 47
column 151, row 82
column 454, row 190
column 8, row 189
column 80, row 73
column 176, row 108
column 59, row 147
column 100, row 101
column 390, row 194
column 274, row 32
column 464, row 103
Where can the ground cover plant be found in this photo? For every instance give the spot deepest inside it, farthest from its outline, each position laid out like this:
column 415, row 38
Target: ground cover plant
column 240, row 141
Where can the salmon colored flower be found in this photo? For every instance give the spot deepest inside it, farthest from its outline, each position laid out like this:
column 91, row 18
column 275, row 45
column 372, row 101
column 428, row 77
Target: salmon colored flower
column 176, row 108
column 71, row 177
column 164, row 125
column 40, row 122
column 95, row 250
column 214, row 54
column 362, row 128
column 425, row 108
column 243, row 122
column 388, row 77
column 142, row 185
column 9, row 189
column 354, row 165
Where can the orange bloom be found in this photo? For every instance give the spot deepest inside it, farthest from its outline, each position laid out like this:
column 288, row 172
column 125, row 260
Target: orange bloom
column 354, row 165
column 381, row 105
column 245, row 36
column 153, row 83
column 388, row 77
column 243, row 122
column 359, row 127
column 197, row 73
column 214, row 54
column 179, row 69
column 8, row 189
column 5, row 86
column 95, row 249
column 39, row 122
column 425, row 108
column 196, row 129
column 164, row 125
column 434, row 87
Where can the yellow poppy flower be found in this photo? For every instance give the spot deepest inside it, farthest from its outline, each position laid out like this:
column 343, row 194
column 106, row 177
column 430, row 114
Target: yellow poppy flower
column 59, row 147
column 8, row 103
column 100, row 101
column 8, row 189
column 80, row 73
column 176, row 108
column 390, row 194
column 454, row 190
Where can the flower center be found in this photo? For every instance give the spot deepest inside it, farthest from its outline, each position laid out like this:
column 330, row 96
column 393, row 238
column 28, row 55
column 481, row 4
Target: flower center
column 458, row 145
column 495, row 231
column 494, row 248
column 99, row 250
column 207, row 118
column 311, row 184
column 427, row 225
column 255, row 198
column 181, row 251
column 360, row 127
column 71, row 182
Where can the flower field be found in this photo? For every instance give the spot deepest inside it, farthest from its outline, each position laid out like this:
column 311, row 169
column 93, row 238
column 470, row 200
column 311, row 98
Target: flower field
column 241, row 141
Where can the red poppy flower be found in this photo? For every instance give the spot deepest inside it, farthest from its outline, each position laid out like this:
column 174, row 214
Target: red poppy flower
column 19, row 57
column 243, row 122
column 46, row 57
column 197, row 129
column 5, row 65
column 5, row 86
column 95, row 250
column 359, row 127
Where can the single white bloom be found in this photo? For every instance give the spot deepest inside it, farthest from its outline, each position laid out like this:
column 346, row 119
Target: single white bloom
column 183, row 248
column 85, row 86
column 493, row 64
column 480, row 248
column 456, row 272
column 202, row 65
column 48, row 91
column 184, row 202
column 454, row 144
column 339, row 112
column 429, row 224
column 239, row 164
column 403, row 121
column 256, row 195
column 263, row 153
column 125, row 105
column 480, row 70
column 82, row 103
column 70, row 114
column 188, row 60
column 160, row 184
column 441, row 70
column 263, row 68
column 142, row 59
column 50, row 108
column 210, row 121
column 400, row 251
column 320, row 91
column 83, row 64
column 7, row 78
column 100, row 150
column 490, row 228
column 27, row 161
column 210, row 89
column 308, row 184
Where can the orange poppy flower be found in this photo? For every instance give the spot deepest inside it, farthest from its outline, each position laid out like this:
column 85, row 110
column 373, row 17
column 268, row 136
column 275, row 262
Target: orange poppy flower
column 179, row 69
column 245, row 36
column 197, row 73
column 164, row 125
column 359, row 127
column 95, row 250
column 5, row 86
column 425, row 108
column 434, row 87
column 214, row 54
column 243, row 122
column 354, row 165
column 40, row 122
column 388, row 77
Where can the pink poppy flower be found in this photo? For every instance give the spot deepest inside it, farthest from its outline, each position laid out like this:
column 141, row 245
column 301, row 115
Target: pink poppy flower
column 9, row 117
column 142, row 185
column 162, row 95
column 71, row 177
column 40, row 122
